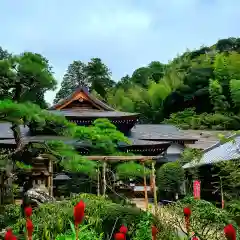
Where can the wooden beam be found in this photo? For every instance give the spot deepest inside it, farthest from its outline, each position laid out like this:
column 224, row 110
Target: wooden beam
column 121, row 158
column 145, row 187
column 154, row 188
column 98, row 181
column 50, row 177
column 104, row 178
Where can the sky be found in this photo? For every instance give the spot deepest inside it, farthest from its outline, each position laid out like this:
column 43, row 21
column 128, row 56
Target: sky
column 125, row 34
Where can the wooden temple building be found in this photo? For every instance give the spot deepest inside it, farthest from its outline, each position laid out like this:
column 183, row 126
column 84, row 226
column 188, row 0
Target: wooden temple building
column 164, row 142
column 82, row 108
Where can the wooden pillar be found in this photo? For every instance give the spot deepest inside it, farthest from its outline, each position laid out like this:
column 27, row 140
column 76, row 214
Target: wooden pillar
column 50, row 177
column 145, row 187
column 98, row 181
column 154, row 188
column 104, row 177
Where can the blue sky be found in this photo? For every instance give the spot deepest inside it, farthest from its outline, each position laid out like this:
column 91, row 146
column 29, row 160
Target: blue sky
column 125, row 34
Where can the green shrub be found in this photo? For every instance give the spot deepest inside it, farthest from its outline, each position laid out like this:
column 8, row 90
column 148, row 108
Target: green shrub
column 10, row 215
column 53, row 219
column 233, row 207
column 84, row 234
column 189, row 119
column 143, row 230
column 207, row 221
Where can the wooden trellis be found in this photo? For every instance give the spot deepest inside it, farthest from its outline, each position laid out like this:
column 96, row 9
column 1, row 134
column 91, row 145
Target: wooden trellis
column 142, row 160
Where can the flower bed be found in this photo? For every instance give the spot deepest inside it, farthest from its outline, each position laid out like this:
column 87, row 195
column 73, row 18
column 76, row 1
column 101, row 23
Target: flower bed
column 52, row 220
column 90, row 217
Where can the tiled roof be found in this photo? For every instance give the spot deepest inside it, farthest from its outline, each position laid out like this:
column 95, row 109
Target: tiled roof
column 218, row 153
column 159, row 132
column 206, row 138
column 6, row 137
column 92, row 113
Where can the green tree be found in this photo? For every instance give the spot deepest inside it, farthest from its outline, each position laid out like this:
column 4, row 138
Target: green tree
column 235, row 93
column 26, row 77
column 157, row 70
column 154, row 71
column 218, row 100
column 4, row 54
column 24, row 113
column 74, row 77
column 170, row 177
column 141, row 76
column 99, row 76
column 64, row 155
column 103, row 137
column 124, row 83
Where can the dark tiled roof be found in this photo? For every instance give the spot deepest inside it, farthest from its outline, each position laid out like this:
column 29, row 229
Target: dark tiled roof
column 92, row 113
column 6, row 137
column 159, row 132
column 145, row 143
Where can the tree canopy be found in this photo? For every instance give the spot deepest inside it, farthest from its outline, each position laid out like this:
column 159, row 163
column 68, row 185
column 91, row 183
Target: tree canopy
column 204, row 81
column 25, row 77
column 94, row 75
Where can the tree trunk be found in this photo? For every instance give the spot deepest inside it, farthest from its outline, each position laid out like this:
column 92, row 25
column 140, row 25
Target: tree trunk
column 17, row 136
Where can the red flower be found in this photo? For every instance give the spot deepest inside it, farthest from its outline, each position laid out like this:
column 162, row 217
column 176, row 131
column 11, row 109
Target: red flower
column 187, row 212
column 119, row 236
column 79, row 212
column 29, row 226
column 230, row 232
column 28, row 211
column 123, row 229
column 8, row 234
column 154, row 231
column 195, row 238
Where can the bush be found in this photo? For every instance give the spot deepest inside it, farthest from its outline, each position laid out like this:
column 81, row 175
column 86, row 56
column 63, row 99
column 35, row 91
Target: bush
column 207, row 221
column 53, row 219
column 188, row 119
column 233, row 207
column 143, row 231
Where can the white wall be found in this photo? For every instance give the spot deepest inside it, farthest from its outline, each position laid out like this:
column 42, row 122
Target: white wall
column 175, row 148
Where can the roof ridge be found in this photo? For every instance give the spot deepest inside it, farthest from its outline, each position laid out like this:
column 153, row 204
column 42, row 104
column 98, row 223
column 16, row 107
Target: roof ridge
column 85, row 90
column 219, row 143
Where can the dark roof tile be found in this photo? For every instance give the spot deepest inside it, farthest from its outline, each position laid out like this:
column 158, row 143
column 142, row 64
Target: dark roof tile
column 91, row 113
column 159, row 132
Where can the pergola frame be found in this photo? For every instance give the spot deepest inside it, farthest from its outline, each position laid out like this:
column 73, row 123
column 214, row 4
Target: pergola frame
column 142, row 160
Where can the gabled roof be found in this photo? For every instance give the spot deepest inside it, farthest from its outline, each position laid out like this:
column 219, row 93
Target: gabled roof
column 81, row 92
column 218, row 153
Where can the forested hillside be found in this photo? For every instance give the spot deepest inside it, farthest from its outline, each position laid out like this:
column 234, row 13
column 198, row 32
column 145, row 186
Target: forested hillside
column 199, row 89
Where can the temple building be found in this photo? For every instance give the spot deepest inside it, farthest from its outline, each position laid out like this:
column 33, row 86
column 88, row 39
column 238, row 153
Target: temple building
column 164, row 141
